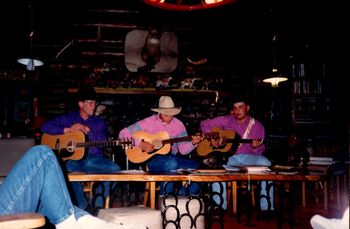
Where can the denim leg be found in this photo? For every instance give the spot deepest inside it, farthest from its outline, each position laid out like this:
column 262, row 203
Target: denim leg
column 187, row 164
column 164, row 164
column 219, row 194
column 92, row 164
column 264, row 204
column 77, row 187
column 247, row 159
column 36, row 184
column 79, row 195
column 182, row 163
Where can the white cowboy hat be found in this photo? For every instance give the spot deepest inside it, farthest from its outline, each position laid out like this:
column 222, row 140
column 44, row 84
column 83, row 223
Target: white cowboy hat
column 166, row 106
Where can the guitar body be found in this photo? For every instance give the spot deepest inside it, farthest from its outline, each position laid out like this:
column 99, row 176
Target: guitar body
column 136, row 155
column 205, row 147
column 66, row 144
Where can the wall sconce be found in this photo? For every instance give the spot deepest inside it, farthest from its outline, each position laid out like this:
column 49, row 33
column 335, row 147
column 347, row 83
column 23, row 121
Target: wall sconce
column 30, row 62
column 275, row 78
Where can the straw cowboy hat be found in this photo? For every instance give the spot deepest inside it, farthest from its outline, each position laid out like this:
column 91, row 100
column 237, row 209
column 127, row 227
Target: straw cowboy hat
column 166, row 106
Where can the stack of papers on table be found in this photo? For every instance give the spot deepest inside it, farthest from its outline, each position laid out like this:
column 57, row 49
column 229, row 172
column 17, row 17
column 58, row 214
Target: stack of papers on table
column 248, row 168
column 257, row 169
column 321, row 161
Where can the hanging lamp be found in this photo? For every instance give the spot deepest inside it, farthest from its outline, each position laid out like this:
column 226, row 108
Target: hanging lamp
column 30, row 62
column 275, row 78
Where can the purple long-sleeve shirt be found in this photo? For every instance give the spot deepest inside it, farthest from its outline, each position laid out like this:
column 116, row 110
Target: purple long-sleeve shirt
column 98, row 129
column 228, row 122
column 153, row 125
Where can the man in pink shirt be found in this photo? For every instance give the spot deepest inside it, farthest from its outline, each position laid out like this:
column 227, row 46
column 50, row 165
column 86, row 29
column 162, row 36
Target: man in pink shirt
column 165, row 120
column 251, row 153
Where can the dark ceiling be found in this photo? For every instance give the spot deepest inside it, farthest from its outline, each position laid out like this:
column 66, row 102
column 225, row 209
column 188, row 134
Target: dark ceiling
column 238, row 37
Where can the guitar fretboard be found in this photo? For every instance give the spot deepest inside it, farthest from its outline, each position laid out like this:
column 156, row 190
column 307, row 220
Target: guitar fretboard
column 188, row 138
column 102, row 143
column 174, row 140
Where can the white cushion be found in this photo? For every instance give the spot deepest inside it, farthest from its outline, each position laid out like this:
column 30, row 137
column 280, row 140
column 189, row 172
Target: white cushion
column 135, row 217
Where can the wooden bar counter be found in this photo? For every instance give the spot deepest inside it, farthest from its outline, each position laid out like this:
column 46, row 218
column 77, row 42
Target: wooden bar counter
column 200, row 176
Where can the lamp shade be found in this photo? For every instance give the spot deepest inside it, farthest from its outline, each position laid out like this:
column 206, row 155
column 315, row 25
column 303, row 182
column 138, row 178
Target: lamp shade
column 275, row 80
column 30, row 63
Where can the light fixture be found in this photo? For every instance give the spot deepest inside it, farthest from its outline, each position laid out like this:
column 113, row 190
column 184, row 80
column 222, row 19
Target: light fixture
column 275, row 78
column 30, row 62
column 180, row 5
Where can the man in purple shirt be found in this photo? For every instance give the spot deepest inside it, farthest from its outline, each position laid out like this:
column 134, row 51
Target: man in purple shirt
column 165, row 120
column 84, row 120
column 247, row 153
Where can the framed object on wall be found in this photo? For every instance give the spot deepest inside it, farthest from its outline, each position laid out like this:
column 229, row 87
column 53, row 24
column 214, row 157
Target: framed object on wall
column 151, row 51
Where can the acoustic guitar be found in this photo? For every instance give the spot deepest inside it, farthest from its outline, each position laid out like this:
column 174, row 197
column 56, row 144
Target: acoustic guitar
column 162, row 144
column 72, row 146
column 232, row 140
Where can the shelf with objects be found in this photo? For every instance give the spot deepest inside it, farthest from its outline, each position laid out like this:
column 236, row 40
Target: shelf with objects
column 313, row 108
column 312, row 93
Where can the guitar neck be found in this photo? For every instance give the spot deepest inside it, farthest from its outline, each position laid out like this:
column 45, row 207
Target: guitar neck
column 175, row 140
column 99, row 143
column 189, row 138
column 240, row 140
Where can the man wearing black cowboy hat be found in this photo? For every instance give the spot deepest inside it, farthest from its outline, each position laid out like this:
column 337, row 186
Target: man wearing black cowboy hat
column 165, row 120
column 86, row 121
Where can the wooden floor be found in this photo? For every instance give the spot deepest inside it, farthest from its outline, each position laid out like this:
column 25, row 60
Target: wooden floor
column 302, row 215
column 302, row 219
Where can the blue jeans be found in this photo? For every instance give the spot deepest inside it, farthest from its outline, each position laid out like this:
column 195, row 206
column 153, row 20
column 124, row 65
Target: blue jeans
column 168, row 163
column 92, row 164
column 36, row 184
column 247, row 159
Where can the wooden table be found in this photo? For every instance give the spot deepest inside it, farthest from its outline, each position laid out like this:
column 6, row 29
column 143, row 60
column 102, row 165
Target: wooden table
column 201, row 177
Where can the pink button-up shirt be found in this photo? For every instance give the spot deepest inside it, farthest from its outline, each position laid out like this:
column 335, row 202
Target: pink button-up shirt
column 153, row 125
column 228, row 122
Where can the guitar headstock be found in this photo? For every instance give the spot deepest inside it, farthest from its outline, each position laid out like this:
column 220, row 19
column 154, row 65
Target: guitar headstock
column 211, row 135
column 126, row 143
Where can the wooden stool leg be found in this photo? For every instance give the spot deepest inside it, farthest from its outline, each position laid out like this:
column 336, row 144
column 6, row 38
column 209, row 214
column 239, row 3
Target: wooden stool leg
column 107, row 202
column 234, row 196
column 228, row 192
column 88, row 187
column 146, row 194
column 253, row 195
column 152, row 193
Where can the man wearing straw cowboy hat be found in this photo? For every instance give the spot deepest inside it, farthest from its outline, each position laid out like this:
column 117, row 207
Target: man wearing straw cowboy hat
column 165, row 120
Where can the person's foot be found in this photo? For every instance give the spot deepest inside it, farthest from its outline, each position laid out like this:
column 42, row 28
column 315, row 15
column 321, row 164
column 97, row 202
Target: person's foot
column 320, row 222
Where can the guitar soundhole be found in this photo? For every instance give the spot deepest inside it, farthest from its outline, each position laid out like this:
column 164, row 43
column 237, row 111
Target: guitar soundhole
column 71, row 146
column 157, row 144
